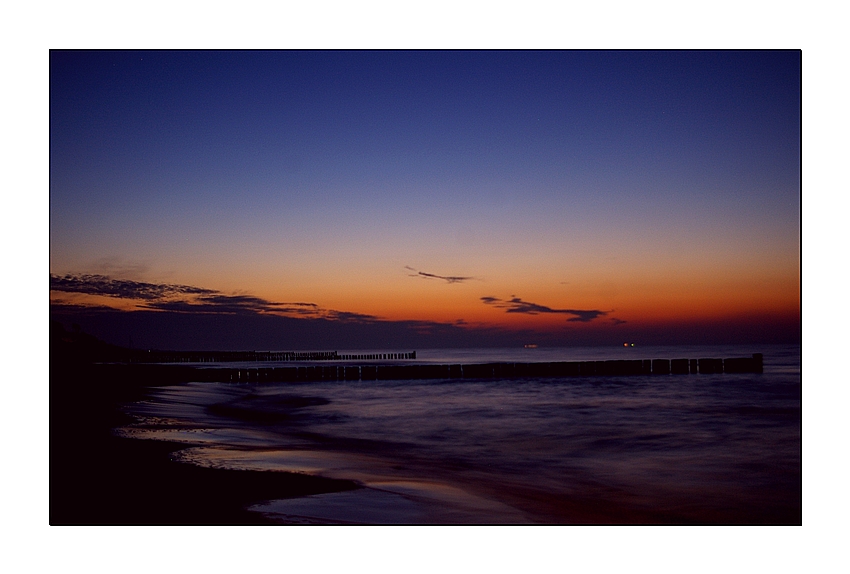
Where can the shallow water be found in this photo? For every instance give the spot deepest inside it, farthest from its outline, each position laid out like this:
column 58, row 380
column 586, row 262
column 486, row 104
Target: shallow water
column 664, row 449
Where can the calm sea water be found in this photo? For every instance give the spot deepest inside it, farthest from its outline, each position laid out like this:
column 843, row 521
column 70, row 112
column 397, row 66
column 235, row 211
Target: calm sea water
column 674, row 449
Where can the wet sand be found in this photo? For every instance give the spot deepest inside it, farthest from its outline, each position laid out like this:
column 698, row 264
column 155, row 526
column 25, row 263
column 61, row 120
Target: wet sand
column 97, row 478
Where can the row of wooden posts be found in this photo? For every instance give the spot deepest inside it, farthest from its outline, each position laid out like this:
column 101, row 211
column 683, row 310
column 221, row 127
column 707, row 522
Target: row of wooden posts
column 261, row 356
column 368, row 372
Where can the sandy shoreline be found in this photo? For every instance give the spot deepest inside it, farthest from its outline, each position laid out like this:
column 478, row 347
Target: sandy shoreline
column 97, row 478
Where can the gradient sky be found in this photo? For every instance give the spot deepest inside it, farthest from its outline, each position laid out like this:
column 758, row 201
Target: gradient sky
column 561, row 196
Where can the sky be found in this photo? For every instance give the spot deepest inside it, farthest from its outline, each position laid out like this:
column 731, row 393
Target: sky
column 373, row 199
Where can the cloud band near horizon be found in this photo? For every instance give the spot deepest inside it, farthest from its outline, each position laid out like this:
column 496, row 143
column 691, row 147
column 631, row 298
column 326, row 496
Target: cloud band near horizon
column 189, row 299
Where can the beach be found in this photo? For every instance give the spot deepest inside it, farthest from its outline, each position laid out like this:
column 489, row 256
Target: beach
column 97, row 478
column 155, row 444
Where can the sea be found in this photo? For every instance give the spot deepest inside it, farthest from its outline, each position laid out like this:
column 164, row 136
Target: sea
column 664, row 449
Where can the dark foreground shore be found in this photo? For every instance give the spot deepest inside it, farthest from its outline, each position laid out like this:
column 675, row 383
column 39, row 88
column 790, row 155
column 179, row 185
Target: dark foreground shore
column 100, row 479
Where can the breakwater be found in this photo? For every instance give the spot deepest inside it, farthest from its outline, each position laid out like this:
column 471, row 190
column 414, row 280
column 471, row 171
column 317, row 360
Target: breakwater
column 391, row 371
column 261, row 356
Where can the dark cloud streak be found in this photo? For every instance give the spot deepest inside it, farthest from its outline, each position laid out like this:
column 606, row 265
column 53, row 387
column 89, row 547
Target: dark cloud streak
column 120, row 288
column 517, row 305
column 193, row 300
column 446, row 278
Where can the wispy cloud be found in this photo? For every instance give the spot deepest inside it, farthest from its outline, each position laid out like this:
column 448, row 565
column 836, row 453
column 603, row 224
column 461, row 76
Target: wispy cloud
column 446, row 278
column 189, row 299
column 120, row 267
column 121, row 288
column 517, row 305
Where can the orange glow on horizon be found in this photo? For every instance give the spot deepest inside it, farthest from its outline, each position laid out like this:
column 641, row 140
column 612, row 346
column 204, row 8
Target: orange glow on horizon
column 396, row 294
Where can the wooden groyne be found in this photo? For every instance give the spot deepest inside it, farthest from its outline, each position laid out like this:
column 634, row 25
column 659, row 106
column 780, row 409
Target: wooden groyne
column 261, row 356
column 372, row 372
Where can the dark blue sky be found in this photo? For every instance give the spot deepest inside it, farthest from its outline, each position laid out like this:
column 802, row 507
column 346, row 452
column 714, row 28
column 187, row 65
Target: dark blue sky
column 425, row 114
